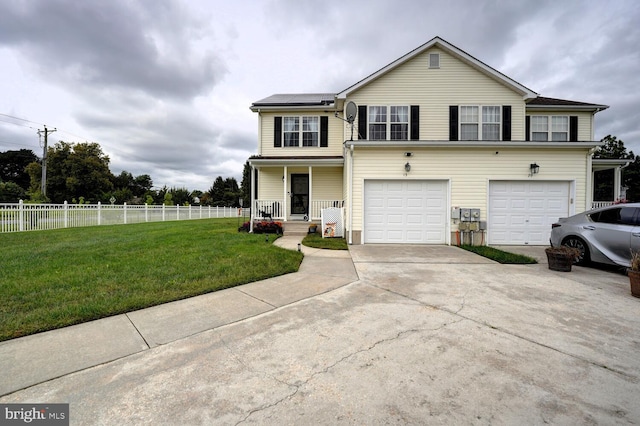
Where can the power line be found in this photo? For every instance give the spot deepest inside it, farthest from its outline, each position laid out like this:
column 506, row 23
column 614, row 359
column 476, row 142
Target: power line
column 21, row 119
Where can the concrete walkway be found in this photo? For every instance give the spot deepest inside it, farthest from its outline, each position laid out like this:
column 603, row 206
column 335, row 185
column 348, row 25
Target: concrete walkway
column 38, row 358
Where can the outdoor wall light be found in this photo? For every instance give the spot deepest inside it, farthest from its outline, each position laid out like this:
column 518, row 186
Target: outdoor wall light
column 407, row 167
column 534, row 169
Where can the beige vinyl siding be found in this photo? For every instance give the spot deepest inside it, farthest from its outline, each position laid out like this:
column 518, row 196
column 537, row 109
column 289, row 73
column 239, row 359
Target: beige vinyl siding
column 327, row 183
column 335, row 136
column 270, row 183
column 469, row 171
column 585, row 124
column 434, row 90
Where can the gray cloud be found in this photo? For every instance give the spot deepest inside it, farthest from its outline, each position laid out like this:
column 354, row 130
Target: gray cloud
column 145, row 46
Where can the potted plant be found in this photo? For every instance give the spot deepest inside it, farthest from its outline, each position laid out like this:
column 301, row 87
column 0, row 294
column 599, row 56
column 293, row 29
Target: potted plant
column 634, row 273
column 561, row 258
column 313, row 228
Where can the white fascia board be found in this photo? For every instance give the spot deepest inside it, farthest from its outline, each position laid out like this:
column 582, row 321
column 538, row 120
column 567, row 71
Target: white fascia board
column 594, row 108
column 318, row 162
column 472, row 144
column 269, row 108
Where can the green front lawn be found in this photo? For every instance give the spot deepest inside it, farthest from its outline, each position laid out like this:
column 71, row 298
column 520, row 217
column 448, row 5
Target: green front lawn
column 52, row 279
column 315, row 240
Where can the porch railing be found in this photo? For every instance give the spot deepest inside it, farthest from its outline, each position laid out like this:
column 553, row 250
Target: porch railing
column 274, row 209
column 598, row 204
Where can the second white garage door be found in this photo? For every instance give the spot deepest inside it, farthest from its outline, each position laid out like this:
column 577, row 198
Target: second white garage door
column 412, row 212
column 521, row 212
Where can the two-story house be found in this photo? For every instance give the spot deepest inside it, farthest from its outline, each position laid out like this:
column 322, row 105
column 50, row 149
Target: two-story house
column 436, row 132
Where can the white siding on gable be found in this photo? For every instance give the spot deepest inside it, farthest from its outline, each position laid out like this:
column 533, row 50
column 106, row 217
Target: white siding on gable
column 454, row 83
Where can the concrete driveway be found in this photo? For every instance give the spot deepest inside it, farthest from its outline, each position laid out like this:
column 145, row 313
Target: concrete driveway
column 423, row 335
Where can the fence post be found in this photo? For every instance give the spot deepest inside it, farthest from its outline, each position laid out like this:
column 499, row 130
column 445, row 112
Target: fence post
column 177, row 211
column 21, row 215
column 124, row 209
column 66, row 214
column 99, row 213
column 163, row 212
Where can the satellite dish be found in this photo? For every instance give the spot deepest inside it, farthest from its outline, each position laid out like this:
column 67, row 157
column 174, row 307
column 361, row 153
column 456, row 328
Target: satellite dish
column 351, row 112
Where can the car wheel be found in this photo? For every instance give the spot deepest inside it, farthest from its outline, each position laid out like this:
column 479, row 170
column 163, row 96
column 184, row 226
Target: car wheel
column 578, row 243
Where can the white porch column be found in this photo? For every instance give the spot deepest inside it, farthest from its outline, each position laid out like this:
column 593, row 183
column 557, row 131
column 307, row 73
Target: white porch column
column 285, row 179
column 253, row 198
column 310, row 193
column 617, row 178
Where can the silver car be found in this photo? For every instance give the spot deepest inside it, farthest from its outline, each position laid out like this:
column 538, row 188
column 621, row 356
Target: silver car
column 605, row 235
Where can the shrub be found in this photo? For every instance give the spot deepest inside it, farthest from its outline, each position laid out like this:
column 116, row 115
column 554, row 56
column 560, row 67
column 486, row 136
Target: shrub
column 263, row 227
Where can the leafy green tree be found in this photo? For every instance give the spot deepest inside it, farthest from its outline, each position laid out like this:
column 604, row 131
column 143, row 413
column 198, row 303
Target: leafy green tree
column 245, row 185
column 216, row 192
column 74, row 171
column 11, row 192
column 181, row 196
column 13, row 166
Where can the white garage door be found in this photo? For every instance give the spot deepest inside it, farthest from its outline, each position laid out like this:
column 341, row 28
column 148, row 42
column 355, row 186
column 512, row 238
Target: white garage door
column 413, row 212
column 522, row 212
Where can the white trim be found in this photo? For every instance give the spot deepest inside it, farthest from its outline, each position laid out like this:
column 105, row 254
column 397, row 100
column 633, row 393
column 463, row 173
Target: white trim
column 474, row 144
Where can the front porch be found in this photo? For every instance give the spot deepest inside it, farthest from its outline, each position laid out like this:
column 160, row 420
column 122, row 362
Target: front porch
column 280, row 210
column 607, row 189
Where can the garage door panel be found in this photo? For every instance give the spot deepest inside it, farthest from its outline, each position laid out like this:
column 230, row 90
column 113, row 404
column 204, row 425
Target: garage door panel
column 395, row 203
column 405, row 212
column 522, row 212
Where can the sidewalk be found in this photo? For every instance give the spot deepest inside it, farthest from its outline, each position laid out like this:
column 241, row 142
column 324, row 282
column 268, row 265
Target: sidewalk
column 41, row 357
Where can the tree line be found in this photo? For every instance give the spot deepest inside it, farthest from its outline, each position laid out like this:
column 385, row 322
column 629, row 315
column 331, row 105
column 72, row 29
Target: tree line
column 79, row 173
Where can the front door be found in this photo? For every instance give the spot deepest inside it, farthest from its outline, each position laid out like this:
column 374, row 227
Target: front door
column 300, row 194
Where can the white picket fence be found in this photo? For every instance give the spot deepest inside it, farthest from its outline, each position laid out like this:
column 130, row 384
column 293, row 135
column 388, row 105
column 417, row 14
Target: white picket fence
column 17, row 217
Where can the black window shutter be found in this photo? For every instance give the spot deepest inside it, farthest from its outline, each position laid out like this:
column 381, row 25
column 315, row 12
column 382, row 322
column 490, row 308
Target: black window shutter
column 415, row 123
column 453, row 123
column 527, row 128
column 362, row 122
column 506, row 122
column 573, row 128
column 277, row 132
column 324, row 131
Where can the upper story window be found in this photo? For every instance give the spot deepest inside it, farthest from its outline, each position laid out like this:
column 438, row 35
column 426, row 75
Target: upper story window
column 389, row 123
column 549, row 128
column 476, row 126
column 292, row 132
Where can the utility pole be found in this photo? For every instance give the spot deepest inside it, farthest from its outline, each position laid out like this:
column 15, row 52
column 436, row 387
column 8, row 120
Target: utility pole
column 44, row 159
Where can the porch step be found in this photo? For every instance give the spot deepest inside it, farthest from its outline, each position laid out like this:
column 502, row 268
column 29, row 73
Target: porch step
column 295, row 228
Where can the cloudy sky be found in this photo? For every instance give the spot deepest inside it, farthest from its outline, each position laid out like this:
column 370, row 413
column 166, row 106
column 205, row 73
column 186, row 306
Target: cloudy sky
column 165, row 86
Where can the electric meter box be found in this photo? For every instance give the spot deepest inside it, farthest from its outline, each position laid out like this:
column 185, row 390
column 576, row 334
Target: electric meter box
column 465, row 215
column 455, row 213
column 475, row 214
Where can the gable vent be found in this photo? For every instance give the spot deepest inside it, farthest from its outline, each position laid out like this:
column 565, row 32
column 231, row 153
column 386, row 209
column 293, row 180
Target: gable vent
column 434, row 60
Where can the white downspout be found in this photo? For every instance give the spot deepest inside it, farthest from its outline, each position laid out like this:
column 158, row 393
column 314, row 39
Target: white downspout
column 589, row 183
column 253, row 197
column 350, row 195
column 310, row 207
column 284, row 193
